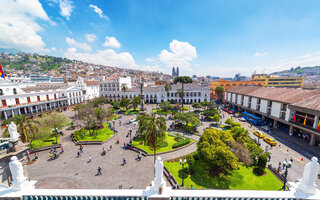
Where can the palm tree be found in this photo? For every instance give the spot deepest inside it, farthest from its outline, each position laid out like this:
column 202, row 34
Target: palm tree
column 25, row 126
column 152, row 129
column 183, row 80
column 219, row 91
column 167, row 88
column 180, row 94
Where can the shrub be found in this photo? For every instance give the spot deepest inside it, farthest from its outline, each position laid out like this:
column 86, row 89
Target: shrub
column 262, row 161
column 163, row 144
column 185, row 108
column 258, row 171
column 178, row 138
column 181, row 143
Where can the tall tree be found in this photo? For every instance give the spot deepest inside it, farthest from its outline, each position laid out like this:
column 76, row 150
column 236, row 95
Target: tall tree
column 115, row 104
column 180, row 93
column 124, row 87
column 183, row 80
column 87, row 114
column 196, row 105
column 125, row 103
column 25, row 126
column 219, row 91
column 167, row 88
column 136, row 101
column 100, row 115
column 152, row 129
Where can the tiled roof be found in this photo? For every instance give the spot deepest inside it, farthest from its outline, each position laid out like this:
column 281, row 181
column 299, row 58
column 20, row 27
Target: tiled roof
column 91, row 82
column 286, row 95
column 312, row 103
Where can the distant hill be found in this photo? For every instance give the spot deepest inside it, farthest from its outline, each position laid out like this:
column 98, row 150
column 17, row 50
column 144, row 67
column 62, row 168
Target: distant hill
column 28, row 61
column 300, row 71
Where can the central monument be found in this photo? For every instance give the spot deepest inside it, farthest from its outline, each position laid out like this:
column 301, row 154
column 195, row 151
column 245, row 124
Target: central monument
column 14, row 137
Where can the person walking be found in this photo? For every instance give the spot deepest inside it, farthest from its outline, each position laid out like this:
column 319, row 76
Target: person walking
column 89, row 160
column 269, row 157
column 124, row 161
column 62, row 149
column 99, row 171
column 110, row 147
column 79, row 154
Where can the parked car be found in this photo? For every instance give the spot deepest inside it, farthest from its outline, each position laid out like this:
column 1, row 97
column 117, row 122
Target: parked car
column 131, row 121
column 270, row 141
column 242, row 119
column 225, row 109
column 265, row 127
column 230, row 112
column 259, row 134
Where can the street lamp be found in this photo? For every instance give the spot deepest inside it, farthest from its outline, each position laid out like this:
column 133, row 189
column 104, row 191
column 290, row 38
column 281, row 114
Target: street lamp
column 183, row 163
column 287, row 165
column 114, row 127
column 55, row 131
column 130, row 132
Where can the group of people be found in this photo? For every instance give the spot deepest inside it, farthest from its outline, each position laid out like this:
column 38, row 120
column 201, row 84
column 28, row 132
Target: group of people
column 53, row 153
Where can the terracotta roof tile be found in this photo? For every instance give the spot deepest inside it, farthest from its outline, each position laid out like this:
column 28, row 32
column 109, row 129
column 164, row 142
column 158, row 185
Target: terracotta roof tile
column 286, row 95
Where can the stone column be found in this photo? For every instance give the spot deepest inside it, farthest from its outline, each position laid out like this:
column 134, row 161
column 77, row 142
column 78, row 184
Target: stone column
column 5, row 114
column 290, row 129
column 312, row 139
column 12, row 113
column 25, row 110
column 316, row 121
column 19, row 111
column 275, row 123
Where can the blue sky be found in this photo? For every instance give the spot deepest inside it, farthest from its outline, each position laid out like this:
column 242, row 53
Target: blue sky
column 217, row 38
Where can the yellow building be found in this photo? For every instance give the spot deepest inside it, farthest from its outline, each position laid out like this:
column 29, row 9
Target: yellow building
column 276, row 81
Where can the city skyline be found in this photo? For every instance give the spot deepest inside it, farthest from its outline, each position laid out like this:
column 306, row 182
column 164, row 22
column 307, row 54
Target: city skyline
column 209, row 38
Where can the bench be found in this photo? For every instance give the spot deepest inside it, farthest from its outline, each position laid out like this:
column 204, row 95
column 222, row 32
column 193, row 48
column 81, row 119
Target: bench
column 90, row 142
column 46, row 148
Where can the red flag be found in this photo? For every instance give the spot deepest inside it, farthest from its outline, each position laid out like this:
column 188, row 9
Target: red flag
column 295, row 117
column 1, row 72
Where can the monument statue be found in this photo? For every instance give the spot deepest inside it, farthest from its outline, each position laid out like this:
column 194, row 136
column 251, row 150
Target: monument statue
column 18, row 179
column 14, row 135
column 310, row 174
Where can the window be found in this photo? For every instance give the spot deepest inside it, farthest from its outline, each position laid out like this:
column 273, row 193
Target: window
column 14, row 91
column 1, row 92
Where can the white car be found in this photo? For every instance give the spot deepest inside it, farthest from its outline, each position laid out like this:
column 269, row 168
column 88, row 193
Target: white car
column 242, row 119
column 133, row 121
column 266, row 128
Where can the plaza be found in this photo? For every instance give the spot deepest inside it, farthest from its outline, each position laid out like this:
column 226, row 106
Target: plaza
column 68, row 171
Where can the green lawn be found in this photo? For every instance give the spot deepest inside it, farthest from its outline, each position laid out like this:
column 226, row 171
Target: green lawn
column 169, row 139
column 40, row 143
column 161, row 111
column 242, row 179
column 99, row 135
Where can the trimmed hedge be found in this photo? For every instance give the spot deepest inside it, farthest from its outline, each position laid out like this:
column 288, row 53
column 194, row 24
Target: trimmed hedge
column 181, row 143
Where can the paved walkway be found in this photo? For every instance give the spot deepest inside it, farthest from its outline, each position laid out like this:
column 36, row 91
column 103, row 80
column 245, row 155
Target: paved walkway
column 68, row 171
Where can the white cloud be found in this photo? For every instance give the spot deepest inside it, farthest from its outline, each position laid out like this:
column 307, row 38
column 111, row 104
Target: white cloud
column 98, row 11
column 53, row 49
column 260, row 54
column 72, row 43
column 111, row 42
column 106, row 57
column 182, row 53
column 90, row 37
column 150, row 59
column 66, row 8
column 18, row 24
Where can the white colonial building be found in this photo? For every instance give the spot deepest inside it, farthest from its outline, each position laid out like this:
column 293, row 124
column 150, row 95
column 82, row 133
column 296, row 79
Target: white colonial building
column 195, row 92
column 279, row 106
column 113, row 85
column 17, row 99
column 90, row 89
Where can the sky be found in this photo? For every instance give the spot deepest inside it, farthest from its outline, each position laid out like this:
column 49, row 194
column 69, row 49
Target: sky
column 202, row 37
